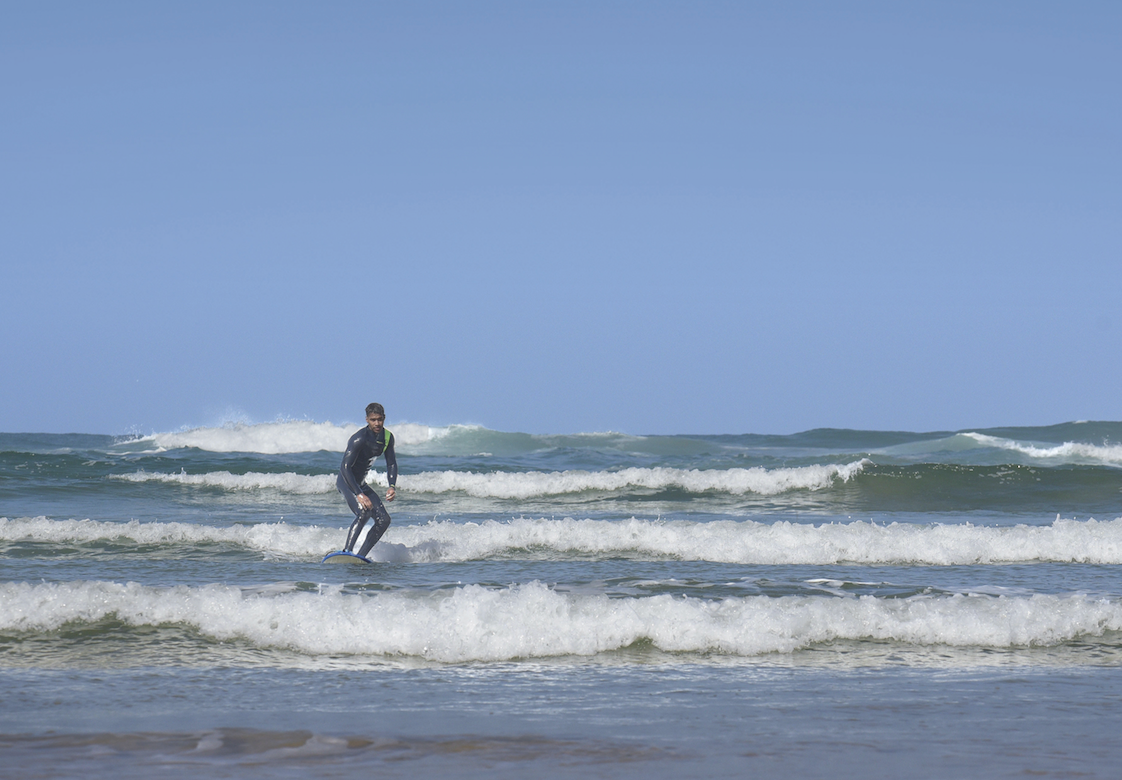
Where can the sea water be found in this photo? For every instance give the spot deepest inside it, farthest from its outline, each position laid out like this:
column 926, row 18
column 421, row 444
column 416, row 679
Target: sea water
column 834, row 604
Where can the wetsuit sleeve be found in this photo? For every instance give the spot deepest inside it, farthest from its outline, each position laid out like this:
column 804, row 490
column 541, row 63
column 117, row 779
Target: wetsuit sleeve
column 350, row 457
column 391, row 460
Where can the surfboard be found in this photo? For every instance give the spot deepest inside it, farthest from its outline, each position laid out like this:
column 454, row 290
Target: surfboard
column 342, row 556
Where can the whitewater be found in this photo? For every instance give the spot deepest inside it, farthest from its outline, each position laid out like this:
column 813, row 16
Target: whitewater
column 740, row 542
column 473, row 623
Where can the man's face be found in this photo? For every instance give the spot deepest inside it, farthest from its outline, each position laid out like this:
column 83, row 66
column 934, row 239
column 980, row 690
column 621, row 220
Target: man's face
column 375, row 421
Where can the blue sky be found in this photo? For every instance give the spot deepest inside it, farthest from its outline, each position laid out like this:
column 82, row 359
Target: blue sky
column 650, row 217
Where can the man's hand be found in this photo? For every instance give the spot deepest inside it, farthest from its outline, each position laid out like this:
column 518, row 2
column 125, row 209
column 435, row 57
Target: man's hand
column 364, row 501
column 391, row 493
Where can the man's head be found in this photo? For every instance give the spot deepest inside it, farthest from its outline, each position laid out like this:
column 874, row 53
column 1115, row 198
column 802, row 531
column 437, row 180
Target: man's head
column 375, row 417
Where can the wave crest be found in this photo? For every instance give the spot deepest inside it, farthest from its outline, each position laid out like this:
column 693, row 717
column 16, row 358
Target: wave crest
column 473, row 623
column 1068, row 452
column 722, row 541
column 533, row 484
column 281, row 438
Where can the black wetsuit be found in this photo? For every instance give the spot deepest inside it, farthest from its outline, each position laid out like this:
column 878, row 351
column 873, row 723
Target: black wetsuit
column 362, row 449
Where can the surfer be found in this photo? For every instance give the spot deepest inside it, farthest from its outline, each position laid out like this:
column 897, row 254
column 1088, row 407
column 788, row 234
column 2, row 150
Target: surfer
column 366, row 445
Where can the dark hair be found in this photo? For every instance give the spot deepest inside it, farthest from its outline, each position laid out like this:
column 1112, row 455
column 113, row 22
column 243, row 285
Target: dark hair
column 371, row 408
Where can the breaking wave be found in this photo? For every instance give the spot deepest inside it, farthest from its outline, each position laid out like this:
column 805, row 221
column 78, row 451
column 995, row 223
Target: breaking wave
column 723, row 541
column 532, row 620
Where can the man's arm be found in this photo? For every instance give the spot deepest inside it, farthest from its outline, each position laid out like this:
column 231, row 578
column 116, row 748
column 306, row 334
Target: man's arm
column 391, row 467
column 350, row 457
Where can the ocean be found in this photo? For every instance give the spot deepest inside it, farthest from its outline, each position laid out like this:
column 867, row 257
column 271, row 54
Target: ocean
column 828, row 604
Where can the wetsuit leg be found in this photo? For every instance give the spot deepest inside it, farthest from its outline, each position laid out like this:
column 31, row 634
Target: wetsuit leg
column 381, row 523
column 361, row 515
column 356, row 530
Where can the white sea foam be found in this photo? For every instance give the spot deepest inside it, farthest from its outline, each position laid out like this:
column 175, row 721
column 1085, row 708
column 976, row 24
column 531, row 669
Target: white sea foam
column 274, row 538
column 749, row 542
column 725, row 541
column 474, row 623
column 1068, row 452
column 287, row 482
column 284, row 437
column 737, row 481
column 531, row 484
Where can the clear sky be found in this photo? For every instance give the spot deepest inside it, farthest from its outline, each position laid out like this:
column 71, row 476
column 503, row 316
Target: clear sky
column 649, row 217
